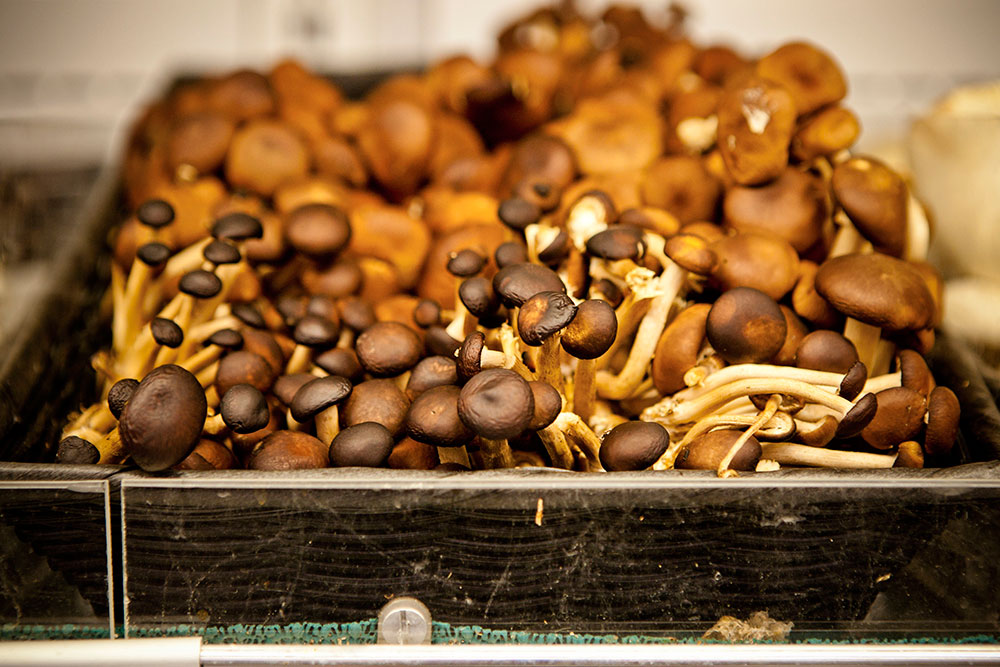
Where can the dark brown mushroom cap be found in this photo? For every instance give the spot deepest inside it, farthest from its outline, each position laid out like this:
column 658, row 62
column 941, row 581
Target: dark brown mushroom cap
column 592, row 330
column 708, row 450
column 477, row 295
column 408, row 454
column 208, row 455
column 899, row 417
column 366, row 444
column 607, row 291
column 634, row 445
column 318, row 230
column 548, row 404
column 497, row 404
column 437, row 340
column 470, row 356
column 262, row 343
column 433, row 418
column 943, row 413
column 249, row 315
column 376, row 401
column 854, row 381
column 244, row 367
column 745, row 326
column 557, row 249
column 876, row 289
column 357, row 314
column 244, row 409
column 341, row 361
column 826, row 350
column 119, row 395
column 386, row 349
column 319, row 394
column 543, row 315
column 691, row 253
column 75, row 449
column 155, row 213
column 427, row 313
column 230, row 339
column 316, row 331
column 237, row 226
column 858, row 417
column 200, row 284
column 431, row 372
column 286, row 386
column 219, row 252
column 760, row 260
column 678, row 348
column 516, row 283
column 466, row 262
column 874, row 198
column 288, row 450
column 163, row 420
column 510, row 252
column 166, row 332
column 153, row 254
column 794, row 207
column 517, row 213
column 914, row 372
column 617, row 242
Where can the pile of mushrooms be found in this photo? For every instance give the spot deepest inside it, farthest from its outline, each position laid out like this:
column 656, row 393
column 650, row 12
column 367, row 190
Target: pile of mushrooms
column 609, row 249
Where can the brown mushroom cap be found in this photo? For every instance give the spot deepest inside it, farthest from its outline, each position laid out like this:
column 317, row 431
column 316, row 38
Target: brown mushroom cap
column 437, row 340
column 691, row 252
column 943, row 412
column 119, row 395
column 316, row 331
column 339, row 279
column 288, row 450
column 707, row 451
column 854, row 381
column 340, row 361
column 681, row 185
column 617, row 242
column 163, row 420
column 592, row 331
column 219, row 253
column 678, row 347
column 153, row 254
column 539, row 157
column 756, row 121
column 634, row 445
column 166, row 332
column 76, row 450
column 357, row 314
column 796, row 330
column 263, row 344
column 318, row 230
column 517, row 213
column 548, row 404
column 914, row 372
column 210, row 453
column 237, row 226
column 286, row 386
column 155, row 213
column 516, row 283
column 319, row 394
column 477, row 295
column 497, row 404
column 875, row 199
column 465, row 262
column 793, row 206
column 858, row 417
column 808, row 304
column 378, row 401
column 825, row 350
column 200, row 284
column 433, row 418
column 825, row 132
column 899, row 417
column 430, row 372
column 470, row 356
column 366, row 444
column 408, row 454
column 809, row 74
column 386, row 349
column 760, row 260
column 427, row 313
column 877, row 289
column 244, row 409
column 199, row 140
column 543, row 315
column 244, row 367
column 264, row 154
column 745, row 325
column 510, row 252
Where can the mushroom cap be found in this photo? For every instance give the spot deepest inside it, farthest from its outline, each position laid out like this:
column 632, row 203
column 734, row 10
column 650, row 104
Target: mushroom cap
column 875, row 199
column 793, row 206
column 166, row 332
column 386, row 349
column 153, row 254
column 337, row 279
column 518, row 212
column 378, row 400
column 219, row 252
column 357, row 314
column 876, row 289
column 826, row 350
column 858, row 417
column 409, row 454
column 477, row 295
column 606, row 290
column 208, row 455
column 286, row 386
column 318, row 230
column 548, row 404
column 244, row 367
column 340, row 361
column 262, row 343
column 430, row 372
column 366, row 444
column 756, row 122
column 617, row 242
column 244, row 409
column 634, row 445
column 249, row 315
column 592, row 330
column 809, row 74
column 556, row 250
column 691, row 252
column 761, row 260
column 516, row 283
column 155, row 213
column 943, row 413
column 914, row 372
column 433, row 418
column 543, row 315
column 200, row 284
column 288, row 450
column 854, row 381
column 510, row 252
column 899, row 417
column 163, row 420
column 230, row 339
column 745, row 325
column 683, row 186
column 497, row 404
column 237, row 226
column 466, row 262
column 470, row 356
column 678, row 348
column 119, row 395
column 292, row 307
column 75, row 449
column 319, row 394
column 427, row 313
column 707, row 451
column 437, row 340
column 316, row 331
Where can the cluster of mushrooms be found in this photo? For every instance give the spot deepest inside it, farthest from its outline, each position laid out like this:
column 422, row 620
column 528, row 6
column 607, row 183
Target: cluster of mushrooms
column 610, row 249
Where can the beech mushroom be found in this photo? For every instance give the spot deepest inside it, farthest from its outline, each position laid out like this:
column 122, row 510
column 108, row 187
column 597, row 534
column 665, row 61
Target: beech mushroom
column 745, row 325
column 318, row 399
column 386, row 349
column 311, row 333
column 589, row 335
column 379, row 400
column 433, row 419
column 539, row 321
column 633, row 445
column 288, row 450
column 709, row 450
column 497, row 404
column 366, row 444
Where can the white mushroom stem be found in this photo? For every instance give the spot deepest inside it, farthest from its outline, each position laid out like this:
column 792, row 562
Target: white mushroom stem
column 879, row 382
column 624, row 383
column 848, row 239
column 457, row 455
column 537, row 238
column 328, row 424
column 765, row 415
column 802, row 455
column 456, row 328
column 750, row 371
column 576, row 430
column 865, row 338
column 185, row 261
column 496, row 454
column 555, row 444
column 587, row 217
column 512, row 351
column 918, row 230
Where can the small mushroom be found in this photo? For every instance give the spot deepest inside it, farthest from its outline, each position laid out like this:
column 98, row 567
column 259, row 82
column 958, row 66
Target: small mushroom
column 909, row 455
column 826, row 132
column 809, row 74
column 75, row 450
column 516, row 283
column 497, row 404
column 318, row 399
column 825, row 350
column 366, row 444
column 119, row 395
column 431, row 372
column 943, row 412
column 634, row 445
column 433, row 419
column 244, row 409
column 678, row 348
column 539, row 321
column 510, row 252
column 587, row 337
column 311, row 333
column 875, row 199
column 681, row 185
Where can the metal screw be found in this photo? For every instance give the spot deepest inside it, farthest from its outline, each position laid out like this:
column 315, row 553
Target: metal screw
column 404, row 620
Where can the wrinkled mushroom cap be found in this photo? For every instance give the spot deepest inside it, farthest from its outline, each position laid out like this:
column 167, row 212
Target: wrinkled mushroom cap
column 430, row 372
column 826, row 350
column 319, row 394
column 366, row 444
column 516, row 283
column 497, row 404
column 119, row 395
column 543, row 315
column 378, row 401
column 75, row 449
column 634, row 445
column 470, row 356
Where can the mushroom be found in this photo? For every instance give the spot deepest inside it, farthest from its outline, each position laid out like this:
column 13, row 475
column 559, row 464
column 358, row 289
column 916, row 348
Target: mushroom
column 318, row 399
column 244, row 409
column 825, row 350
column 756, row 121
column 379, row 400
column 793, row 207
column 809, row 74
column 462, row 264
column 319, row 231
column 366, row 444
column 909, row 455
column 875, row 199
column 943, row 412
column 288, row 450
column 433, row 419
column 312, row 332
column 386, row 349
column 497, row 404
column 634, row 445
column 677, row 350
column 430, row 372
column 744, row 325
column 709, row 450
column 539, row 321
column 510, row 252
column 168, row 336
column 408, row 454
column 588, row 336
column 761, row 260
column 826, row 132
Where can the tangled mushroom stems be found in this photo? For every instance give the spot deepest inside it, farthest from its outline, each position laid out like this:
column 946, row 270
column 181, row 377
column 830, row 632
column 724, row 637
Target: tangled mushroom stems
column 506, row 263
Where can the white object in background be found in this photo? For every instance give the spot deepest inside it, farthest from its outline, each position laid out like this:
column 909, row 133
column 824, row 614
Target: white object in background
column 158, row 652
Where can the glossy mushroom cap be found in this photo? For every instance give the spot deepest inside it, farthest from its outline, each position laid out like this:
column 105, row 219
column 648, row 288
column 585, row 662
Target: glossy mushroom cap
column 707, row 451
column 319, row 394
column 408, row 454
column 244, row 367
column 466, row 262
column 378, row 401
column 617, row 242
column 497, row 404
column 166, row 332
column 244, row 409
column 914, row 372
column 341, row 361
column 745, row 326
column 163, row 420
column 219, row 252
column 543, row 315
column 318, row 230
column 119, row 395
column 477, row 295
column 548, row 404
column 357, row 314
column 517, row 213
column 286, row 386
column 433, row 418
column 634, row 445
column 316, row 331
column 367, row 444
column 153, row 254
column 809, row 74
column 155, row 213
column 678, row 348
column 387, row 349
column 826, row 350
column 899, row 417
column 469, row 361
column 510, row 252
column 200, row 284
column 516, row 283
column 691, row 252
column 250, row 316
column 794, row 207
column 237, row 226
column 943, row 413
column 592, row 330
column 876, row 289
column 288, row 450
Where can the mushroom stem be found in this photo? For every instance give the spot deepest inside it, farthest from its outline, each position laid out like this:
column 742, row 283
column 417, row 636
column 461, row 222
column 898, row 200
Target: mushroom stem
column 119, row 320
column 214, row 425
column 865, row 338
column 765, row 415
column 574, row 427
column 918, row 231
column 299, row 361
column 328, row 424
column 185, row 260
column 555, row 444
column 583, row 388
column 131, row 316
column 512, row 350
column 749, row 371
column 622, row 385
column 293, row 423
column 803, row 455
column 457, row 455
column 877, row 383
column 111, row 448
column 706, row 366
column 549, row 368
column 206, row 376
column 496, row 453
column 847, row 239
column 201, row 332
column 885, row 352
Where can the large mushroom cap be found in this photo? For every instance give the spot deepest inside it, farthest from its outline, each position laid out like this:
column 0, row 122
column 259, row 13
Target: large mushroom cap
column 633, row 445
column 543, row 315
column 874, row 198
column 516, row 283
column 244, row 409
column 388, row 348
column 163, row 419
column 745, row 325
column 366, row 444
column 378, row 401
column 876, row 289
column 317, row 395
column 707, row 451
column 288, row 450
column 433, row 418
column 497, row 404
